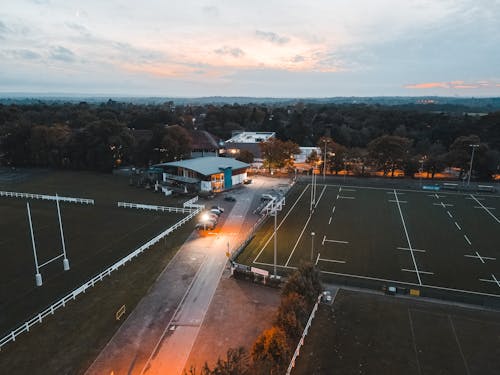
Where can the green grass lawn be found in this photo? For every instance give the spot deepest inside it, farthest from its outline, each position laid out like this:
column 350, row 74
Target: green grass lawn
column 417, row 239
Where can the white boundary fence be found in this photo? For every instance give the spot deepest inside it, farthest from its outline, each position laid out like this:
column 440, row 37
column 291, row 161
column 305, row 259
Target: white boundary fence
column 304, row 334
column 155, row 208
column 14, row 194
column 25, row 327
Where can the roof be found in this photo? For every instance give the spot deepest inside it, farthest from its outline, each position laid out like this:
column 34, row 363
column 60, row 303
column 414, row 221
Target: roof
column 207, row 165
column 251, row 137
column 203, row 140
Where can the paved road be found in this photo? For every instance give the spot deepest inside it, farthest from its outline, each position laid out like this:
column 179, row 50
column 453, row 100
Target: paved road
column 158, row 335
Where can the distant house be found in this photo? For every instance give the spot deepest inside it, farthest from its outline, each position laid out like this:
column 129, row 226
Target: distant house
column 209, row 173
column 248, row 141
column 204, row 144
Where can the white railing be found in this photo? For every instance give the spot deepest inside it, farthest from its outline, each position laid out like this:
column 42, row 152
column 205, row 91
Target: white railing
column 25, row 327
column 304, row 334
column 14, row 194
column 191, row 203
column 155, row 208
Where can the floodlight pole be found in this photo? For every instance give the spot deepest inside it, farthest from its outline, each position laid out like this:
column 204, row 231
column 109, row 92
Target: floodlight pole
column 312, row 245
column 65, row 259
column 471, row 160
column 38, row 275
column 275, row 241
column 324, row 163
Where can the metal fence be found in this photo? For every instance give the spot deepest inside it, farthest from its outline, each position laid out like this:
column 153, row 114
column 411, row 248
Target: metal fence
column 25, row 327
column 14, row 194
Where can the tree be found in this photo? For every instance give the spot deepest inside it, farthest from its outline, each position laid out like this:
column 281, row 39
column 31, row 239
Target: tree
column 176, row 143
column 278, row 154
column 270, row 352
column 389, row 152
column 460, row 154
column 246, row 156
column 305, row 282
column 292, row 316
column 236, row 363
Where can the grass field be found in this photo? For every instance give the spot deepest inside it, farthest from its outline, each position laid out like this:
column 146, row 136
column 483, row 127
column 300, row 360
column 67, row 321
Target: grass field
column 95, row 236
column 414, row 238
column 364, row 333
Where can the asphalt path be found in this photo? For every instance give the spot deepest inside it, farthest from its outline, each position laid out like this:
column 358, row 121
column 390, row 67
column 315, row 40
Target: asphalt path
column 157, row 337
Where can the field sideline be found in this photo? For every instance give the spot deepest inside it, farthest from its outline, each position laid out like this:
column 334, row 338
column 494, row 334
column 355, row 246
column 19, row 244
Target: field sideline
column 418, row 238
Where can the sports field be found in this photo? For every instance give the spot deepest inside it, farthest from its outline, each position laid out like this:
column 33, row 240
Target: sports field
column 417, row 238
column 96, row 236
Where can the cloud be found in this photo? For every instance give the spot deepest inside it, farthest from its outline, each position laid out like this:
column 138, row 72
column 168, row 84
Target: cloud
column 458, row 84
column 272, row 37
column 24, row 54
column 211, row 10
column 233, row 51
column 62, row 54
column 298, row 58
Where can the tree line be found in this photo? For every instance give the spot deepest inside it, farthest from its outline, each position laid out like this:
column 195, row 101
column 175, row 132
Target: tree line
column 102, row 136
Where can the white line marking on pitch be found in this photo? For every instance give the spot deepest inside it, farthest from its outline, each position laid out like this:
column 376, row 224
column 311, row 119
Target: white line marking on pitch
column 458, row 226
column 332, row 260
column 486, row 209
column 317, row 259
column 348, row 189
column 494, row 280
column 322, row 191
column 333, row 210
column 449, row 214
column 298, row 240
column 407, row 238
column 478, row 256
column 336, row 241
column 443, row 204
column 344, row 197
column 405, row 248
column 426, row 272
column 330, row 221
column 393, row 201
column 467, row 239
column 489, row 208
column 324, row 238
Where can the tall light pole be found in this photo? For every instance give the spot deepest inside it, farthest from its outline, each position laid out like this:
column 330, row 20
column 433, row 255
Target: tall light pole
column 312, row 245
column 421, row 169
column 471, row 160
column 324, row 162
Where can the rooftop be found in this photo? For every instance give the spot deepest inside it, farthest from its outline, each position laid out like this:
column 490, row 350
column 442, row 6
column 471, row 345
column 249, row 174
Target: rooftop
column 251, row 137
column 207, row 165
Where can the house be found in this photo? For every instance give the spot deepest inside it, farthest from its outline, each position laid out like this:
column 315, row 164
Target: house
column 248, row 141
column 209, row 173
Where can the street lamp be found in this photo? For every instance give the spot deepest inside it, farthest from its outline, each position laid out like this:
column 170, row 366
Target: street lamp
column 324, row 162
column 471, row 160
column 312, row 245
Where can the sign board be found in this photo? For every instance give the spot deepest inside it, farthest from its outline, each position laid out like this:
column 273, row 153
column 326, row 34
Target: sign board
column 259, row 271
column 414, row 292
column 431, row 187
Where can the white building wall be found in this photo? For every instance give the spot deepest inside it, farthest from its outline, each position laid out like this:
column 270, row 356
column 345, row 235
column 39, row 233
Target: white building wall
column 206, row 185
column 238, row 178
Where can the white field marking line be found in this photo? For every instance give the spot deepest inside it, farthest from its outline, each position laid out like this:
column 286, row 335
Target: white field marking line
column 281, row 222
column 392, row 192
column 332, row 260
column 448, row 193
column 489, row 208
column 436, row 196
column 478, row 256
column 407, row 238
column 317, row 259
column 394, row 201
column 405, row 248
column 458, row 226
column 298, row 240
column 324, row 238
column 413, row 284
column 417, row 272
column 449, row 214
column 467, row 239
column 336, row 241
column 272, row 265
column 344, row 189
column 444, row 205
column 486, row 209
column 494, row 280
column 333, row 210
column 330, row 221
column 345, row 197
column 322, row 191
column 479, row 199
column 459, row 346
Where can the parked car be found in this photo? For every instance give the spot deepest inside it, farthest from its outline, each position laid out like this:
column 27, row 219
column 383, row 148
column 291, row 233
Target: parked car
column 266, row 197
column 205, row 225
column 230, row 198
column 217, row 208
column 247, row 181
column 216, row 211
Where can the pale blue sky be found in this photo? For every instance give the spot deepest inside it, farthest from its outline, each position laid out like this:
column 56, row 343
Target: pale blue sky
column 251, row 48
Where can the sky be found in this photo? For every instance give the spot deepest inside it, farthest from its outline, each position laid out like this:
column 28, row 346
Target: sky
column 262, row 48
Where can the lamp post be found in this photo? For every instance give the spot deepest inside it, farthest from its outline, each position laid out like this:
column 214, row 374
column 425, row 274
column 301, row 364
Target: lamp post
column 471, row 160
column 312, row 245
column 324, row 162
